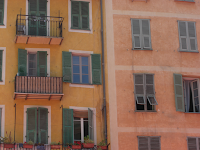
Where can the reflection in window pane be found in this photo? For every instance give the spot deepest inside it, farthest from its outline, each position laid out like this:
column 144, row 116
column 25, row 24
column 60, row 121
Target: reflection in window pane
column 86, row 128
column 76, row 69
column 84, row 60
column 76, row 78
column 84, row 69
column 77, row 130
column 75, row 59
column 85, row 79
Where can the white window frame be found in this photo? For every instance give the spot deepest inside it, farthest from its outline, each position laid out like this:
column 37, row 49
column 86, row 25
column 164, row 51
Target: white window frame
column 2, row 120
column 90, row 18
column 34, row 50
column 94, row 119
column 49, row 121
column 3, row 65
column 5, row 15
column 82, row 128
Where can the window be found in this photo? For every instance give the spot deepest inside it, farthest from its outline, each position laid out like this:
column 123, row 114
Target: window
column 2, row 65
column 144, row 92
column 81, row 68
column 193, row 143
column 1, row 12
column 187, row 36
column 141, row 35
column 148, row 143
column 2, row 120
column 186, row 93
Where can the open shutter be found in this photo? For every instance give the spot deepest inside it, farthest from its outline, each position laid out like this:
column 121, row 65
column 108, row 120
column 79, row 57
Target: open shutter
column 136, row 37
column 68, row 124
column 139, row 88
column 22, row 62
column 195, row 95
column 42, row 24
column 91, row 124
column 96, row 68
column 85, row 15
column 183, row 35
column 192, row 36
column 143, row 143
column 192, row 143
column 42, row 63
column 1, row 11
column 31, row 128
column 66, row 65
column 146, row 35
column 32, row 21
column 154, row 143
column 1, row 62
column 43, row 125
column 0, row 120
column 178, row 92
column 75, row 14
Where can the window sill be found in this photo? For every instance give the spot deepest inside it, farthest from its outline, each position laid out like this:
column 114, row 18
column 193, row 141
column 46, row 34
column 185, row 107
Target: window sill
column 81, row 85
column 146, row 111
column 80, row 30
column 189, row 51
column 2, row 26
column 184, row 1
column 144, row 49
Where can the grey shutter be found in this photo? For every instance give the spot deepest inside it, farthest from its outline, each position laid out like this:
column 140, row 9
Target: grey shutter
column 91, row 124
column 0, row 120
column 136, row 34
column 192, row 143
column 143, row 143
column 178, row 92
column 183, row 35
column 85, row 15
column 154, row 143
column 192, row 36
column 22, row 62
column 1, row 64
column 75, row 14
column 195, row 95
column 146, row 35
column 66, row 66
column 1, row 12
column 139, row 88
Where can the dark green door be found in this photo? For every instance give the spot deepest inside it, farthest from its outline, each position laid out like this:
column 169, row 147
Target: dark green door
column 37, row 21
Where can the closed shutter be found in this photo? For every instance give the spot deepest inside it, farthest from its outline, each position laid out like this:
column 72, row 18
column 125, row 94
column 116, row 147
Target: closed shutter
column 136, row 37
column 0, row 120
column 75, row 14
column 1, row 62
column 96, row 68
column 66, row 65
column 192, row 143
column 183, row 35
column 178, row 92
column 143, row 143
column 146, row 33
column 192, row 36
column 85, row 15
column 42, row 63
column 32, row 21
column 68, row 124
column 22, row 62
column 139, row 88
column 43, row 125
column 91, row 124
column 150, row 91
column 31, row 128
column 154, row 143
column 42, row 30
column 1, row 12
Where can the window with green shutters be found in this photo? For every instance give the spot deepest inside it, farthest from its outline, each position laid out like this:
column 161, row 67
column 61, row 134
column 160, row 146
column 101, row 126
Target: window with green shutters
column 80, row 15
column 1, row 12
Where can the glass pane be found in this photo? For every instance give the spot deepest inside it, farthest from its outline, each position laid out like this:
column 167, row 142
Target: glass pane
column 85, row 79
column 85, row 118
column 75, row 59
column 85, row 128
column 76, row 78
column 84, row 69
column 194, row 85
column 75, row 118
column 196, row 93
column 77, row 130
column 76, row 69
column 84, row 60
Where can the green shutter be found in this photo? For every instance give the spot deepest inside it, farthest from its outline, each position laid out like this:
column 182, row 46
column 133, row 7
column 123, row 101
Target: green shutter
column 66, row 65
column 178, row 92
column 75, row 15
column 43, row 125
column 31, row 125
column 0, row 120
column 91, row 124
column 42, row 31
column 41, row 63
column 68, row 125
column 96, row 68
column 22, row 62
column 1, row 12
column 84, row 15
column 32, row 23
column 1, row 62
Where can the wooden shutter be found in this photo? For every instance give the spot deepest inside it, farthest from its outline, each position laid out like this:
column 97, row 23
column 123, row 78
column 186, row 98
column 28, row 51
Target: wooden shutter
column 178, row 92
column 136, row 37
column 85, row 15
column 66, row 65
column 22, row 62
column 139, row 88
column 96, row 68
column 192, row 143
column 183, row 35
column 192, row 36
column 75, row 14
column 43, row 125
column 154, row 143
column 42, row 63
column 0, row 120
column 1, row 12
column 31, row 128
column 143, row 143
column 42, row 30
column 91, row 124
column 146, row 35
column 68, row 126
column 1, row 63
column 32, row 22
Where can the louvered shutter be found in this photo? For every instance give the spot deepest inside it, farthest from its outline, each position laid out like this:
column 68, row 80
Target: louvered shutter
column 75, row 14
column 146, row 35
column 143, row 143
column 91, row 124
column 68, row 124
column 31, row 128
column 42, row 30
column 96, row 68
column 0, row 120
column 1, row 12
column 43, row 125
column 183, row 35
column 22, row 62
column 66, row 65
column 192, row 143
column 1, row 62
column 154, row 143
column 139, row 88
column 136, row 37
column 32, row 21
column 192, row 36
column 42, row 63
column 85, row 15
column 178, row 92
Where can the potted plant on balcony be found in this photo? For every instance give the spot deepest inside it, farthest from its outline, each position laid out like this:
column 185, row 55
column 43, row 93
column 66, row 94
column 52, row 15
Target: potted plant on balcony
column 28, row 145
column 8, row 141
column 40, row 146
column 68, row 145
column 76, row 145
column 55, row 145
column 88, row 143
column 102, row 145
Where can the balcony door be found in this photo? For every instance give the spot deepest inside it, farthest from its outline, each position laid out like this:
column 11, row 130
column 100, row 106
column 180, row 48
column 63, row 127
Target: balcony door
column 37, row 24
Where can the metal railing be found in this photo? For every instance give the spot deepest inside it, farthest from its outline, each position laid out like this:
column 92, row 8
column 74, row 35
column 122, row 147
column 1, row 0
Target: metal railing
column 39, row 25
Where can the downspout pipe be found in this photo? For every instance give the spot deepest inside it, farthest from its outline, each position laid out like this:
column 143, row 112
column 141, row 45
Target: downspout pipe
column 103, row 66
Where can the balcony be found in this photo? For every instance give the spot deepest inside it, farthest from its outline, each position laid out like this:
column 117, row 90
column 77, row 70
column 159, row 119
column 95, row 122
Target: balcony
column 27, row 87
column 38, row 30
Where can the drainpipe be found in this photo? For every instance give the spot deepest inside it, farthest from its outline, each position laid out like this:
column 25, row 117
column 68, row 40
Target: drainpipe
column 103, row 64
